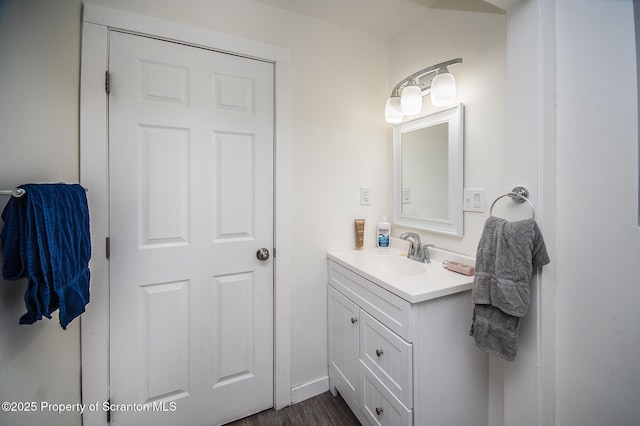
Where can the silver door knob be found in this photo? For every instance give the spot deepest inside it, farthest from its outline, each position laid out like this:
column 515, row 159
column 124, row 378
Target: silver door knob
column 379, row 352
column 262, row 254
column 379, row 410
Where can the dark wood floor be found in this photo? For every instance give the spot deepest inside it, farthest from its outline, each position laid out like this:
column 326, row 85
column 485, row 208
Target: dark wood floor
column 322, row 410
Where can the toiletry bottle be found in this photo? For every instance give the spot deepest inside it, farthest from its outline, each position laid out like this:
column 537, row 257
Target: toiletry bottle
column 359, row 223
column 383, row 232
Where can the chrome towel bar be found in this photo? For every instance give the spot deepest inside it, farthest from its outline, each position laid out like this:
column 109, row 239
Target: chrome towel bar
column 17, row 192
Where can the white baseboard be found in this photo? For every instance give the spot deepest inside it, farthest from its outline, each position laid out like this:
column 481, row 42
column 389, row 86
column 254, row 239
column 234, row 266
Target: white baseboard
column 308, row 390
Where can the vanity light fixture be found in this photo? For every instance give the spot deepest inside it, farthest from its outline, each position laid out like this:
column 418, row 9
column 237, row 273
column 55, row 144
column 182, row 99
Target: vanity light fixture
column 411, row 99
column 406, row 96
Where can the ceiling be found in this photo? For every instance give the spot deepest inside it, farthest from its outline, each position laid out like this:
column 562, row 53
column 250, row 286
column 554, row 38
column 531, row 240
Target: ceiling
column 384, row 18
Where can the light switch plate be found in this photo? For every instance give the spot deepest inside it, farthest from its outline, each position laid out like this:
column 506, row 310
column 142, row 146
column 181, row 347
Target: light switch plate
column 406, row 195
column 474, row 200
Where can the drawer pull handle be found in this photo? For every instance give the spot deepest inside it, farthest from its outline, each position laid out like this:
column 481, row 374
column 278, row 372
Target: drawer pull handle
column 379, row 352
column 379, row 410
column 354, row 320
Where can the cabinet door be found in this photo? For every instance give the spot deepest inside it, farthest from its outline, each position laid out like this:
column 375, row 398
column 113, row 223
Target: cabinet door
column 343, row 343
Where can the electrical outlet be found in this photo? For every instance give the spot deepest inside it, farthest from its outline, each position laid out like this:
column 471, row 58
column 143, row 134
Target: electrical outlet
column 365, row 196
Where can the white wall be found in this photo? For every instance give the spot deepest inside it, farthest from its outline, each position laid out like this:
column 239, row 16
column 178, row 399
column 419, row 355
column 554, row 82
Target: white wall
column 479, row 39
column 577, row 360
column 598, row 240
column 524, row 389
column 338, row 143
column 39, row 75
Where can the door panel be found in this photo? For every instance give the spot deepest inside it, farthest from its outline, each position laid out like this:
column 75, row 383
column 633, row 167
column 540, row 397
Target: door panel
column 164, row 168
column 235, row 331
column 234, row 157
column 191, row 201
column 164, row 319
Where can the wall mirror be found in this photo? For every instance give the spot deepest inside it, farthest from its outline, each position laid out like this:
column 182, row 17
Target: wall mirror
column 428, row 172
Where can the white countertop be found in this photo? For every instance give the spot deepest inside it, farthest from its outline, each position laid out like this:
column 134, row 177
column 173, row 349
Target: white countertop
column 417, row 282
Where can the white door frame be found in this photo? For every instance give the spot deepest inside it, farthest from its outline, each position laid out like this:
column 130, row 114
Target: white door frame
column 97, row 21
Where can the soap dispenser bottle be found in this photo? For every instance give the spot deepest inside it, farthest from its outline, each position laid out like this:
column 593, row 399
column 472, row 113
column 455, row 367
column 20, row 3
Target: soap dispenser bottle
column 383, row 231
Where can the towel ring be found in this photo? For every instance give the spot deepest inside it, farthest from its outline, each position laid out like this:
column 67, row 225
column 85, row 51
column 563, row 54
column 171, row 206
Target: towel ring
column 518, row 194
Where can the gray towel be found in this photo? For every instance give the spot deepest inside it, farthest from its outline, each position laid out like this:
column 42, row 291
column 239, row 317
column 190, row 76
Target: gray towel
column 508, row 252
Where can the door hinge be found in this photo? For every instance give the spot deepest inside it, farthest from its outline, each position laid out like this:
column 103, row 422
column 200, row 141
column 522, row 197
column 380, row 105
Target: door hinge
column 107, row 246
column 107, row 82
column 274, row 252
column 108, row 412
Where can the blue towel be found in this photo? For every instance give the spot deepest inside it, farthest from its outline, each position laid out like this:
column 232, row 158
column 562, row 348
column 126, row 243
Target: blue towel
column 46, row 239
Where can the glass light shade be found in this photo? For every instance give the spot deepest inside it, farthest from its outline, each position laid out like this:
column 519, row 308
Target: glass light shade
column 411, row 100
column 443, row 89
column 393, row 110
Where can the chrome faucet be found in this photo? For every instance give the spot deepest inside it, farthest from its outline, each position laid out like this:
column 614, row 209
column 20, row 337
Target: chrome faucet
column 417, row 250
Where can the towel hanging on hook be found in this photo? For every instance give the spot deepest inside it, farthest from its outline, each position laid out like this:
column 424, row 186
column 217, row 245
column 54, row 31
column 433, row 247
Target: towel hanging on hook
column 18, row 192
column 519, row 194
column 47, row 240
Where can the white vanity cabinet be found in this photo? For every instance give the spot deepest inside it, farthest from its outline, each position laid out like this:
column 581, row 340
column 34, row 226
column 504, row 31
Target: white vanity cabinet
column 343, row 344
column 397, row 362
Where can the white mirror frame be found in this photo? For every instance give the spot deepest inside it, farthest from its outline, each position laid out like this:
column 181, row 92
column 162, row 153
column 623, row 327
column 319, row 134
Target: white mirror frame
column 454, row 225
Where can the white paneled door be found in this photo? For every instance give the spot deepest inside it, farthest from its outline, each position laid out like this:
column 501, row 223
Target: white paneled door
column 191, row 203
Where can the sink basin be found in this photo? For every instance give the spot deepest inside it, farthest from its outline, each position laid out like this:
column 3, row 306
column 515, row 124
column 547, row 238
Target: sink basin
column 413, row 281
column 397, row 265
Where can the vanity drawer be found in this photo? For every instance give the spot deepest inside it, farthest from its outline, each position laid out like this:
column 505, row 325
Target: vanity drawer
column 379, row 405
column 388, row 356
column 386, row 307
